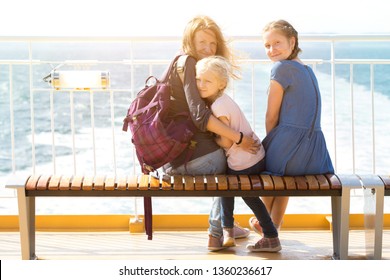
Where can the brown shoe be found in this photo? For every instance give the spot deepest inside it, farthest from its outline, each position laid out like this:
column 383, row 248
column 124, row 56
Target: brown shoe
column 215, row 243
column 228, row 237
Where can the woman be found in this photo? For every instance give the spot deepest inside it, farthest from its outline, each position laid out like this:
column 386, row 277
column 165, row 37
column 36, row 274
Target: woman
column 295, row 144
column 202, row 38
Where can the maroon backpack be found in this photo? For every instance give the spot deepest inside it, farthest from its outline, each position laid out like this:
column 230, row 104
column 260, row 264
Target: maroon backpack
column 157, row 136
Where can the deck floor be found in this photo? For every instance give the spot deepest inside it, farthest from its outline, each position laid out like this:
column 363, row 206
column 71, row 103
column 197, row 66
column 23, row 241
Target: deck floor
column 180, row 245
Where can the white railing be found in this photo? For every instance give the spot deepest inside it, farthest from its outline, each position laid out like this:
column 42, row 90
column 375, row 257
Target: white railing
column 44, row 130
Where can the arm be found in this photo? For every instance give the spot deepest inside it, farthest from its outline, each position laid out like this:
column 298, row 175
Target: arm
column 218, row 127
column 221, row 140
column 202, row 116
column 275, row 98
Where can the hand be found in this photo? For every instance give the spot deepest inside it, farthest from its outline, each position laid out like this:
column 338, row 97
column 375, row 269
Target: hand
column 250, row 145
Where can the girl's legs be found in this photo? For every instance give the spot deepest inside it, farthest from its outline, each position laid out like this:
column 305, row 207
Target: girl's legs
column 227, row 205
column 276, row 207
column 262, row 215
column 213, row 163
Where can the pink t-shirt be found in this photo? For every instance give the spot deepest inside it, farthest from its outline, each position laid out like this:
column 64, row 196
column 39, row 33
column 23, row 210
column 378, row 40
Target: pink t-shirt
column 237, row 158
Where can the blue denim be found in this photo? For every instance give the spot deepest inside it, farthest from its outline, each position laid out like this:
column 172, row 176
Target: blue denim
column 212, row 163
column 255, row 204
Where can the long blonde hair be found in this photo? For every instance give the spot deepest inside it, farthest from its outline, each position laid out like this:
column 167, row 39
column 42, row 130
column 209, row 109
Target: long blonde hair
column 205, row 23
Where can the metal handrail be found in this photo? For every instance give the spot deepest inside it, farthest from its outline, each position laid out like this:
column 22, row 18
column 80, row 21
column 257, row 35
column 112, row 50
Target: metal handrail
column 31, row 62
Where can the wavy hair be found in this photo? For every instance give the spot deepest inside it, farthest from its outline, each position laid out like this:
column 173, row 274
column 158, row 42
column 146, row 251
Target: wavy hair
column 204, row 23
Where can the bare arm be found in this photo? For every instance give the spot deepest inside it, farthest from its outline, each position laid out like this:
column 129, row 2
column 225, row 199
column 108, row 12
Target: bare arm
column 221, row 140
column 218, row 127
column 275, row 98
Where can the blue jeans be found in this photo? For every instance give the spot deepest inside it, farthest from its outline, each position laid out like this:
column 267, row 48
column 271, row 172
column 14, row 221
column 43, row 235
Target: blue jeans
column 212, row 163
column 221, row 214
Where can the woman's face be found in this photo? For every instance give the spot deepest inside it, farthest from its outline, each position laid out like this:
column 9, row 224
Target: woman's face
column 277, row 46
column 205, row 43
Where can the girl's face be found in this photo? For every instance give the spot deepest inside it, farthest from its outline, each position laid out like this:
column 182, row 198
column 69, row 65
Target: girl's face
column 209, row 85
column 277, row 46
column 205, row 43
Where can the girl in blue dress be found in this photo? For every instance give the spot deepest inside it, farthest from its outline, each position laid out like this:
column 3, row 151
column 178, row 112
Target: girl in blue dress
column 295, row 144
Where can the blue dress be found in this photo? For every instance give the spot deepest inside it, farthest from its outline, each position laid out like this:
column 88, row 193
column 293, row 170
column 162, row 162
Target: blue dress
column 296, row 146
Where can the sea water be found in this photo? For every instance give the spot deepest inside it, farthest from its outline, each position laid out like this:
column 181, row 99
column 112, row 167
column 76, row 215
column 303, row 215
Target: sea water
column 353, row 128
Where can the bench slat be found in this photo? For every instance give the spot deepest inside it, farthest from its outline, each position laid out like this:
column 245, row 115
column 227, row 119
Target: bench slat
column 132, row 182
column 189, row 184
column 245, row 183
column 109, row 183
column 98, row 183
column 334, row 181
column 199, row 183
column 77, row 183
column 312, row 182
column 166, row 184
column 324, row 184
column 233, row 182
column 211, row 184
column 122, row 183
column 87, row 183
column 154, row 183
column 178, row 183
column 278, row 183
column 222, row 183
column 267, row 182
column 256, row 182
column 43, row 182
column 65, row 183
column 301, row 182
column 32, row 182
column 289, row 183
column 144, row 183
column 54, row 182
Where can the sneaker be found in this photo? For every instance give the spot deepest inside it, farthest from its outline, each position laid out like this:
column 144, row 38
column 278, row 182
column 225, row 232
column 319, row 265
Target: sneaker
column 266, row 245
column 228, row 237
column 215, row 243
column 240, row 232
column 255, row 226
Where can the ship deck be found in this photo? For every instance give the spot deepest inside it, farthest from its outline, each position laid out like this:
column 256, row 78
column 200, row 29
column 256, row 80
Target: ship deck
column 181, row 245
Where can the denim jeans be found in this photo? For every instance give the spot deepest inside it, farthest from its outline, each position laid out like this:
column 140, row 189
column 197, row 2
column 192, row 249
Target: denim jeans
column 224, row 209
column 212, row 163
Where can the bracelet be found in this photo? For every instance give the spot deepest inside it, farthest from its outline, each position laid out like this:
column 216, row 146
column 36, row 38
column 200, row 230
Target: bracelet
column 241, row 136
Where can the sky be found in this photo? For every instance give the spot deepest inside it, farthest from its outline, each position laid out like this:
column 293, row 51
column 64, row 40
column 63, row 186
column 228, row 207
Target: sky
column 169, row 17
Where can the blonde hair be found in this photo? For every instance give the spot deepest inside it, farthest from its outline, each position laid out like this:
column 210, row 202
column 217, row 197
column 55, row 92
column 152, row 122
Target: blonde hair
column 205, row 23
column 219, row 66
column 287, row 30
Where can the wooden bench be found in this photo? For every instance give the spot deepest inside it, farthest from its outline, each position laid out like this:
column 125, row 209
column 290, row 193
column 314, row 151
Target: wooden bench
column 338, row 187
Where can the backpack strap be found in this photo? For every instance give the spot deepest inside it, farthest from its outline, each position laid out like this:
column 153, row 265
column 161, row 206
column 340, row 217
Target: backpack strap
column 167, row 74
column 180, row 66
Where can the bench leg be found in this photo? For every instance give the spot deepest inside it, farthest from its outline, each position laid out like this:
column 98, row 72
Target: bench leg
column 373, row 190
column 148, row 217
column 348, row 182
column 336, row 217
column 26, row 207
